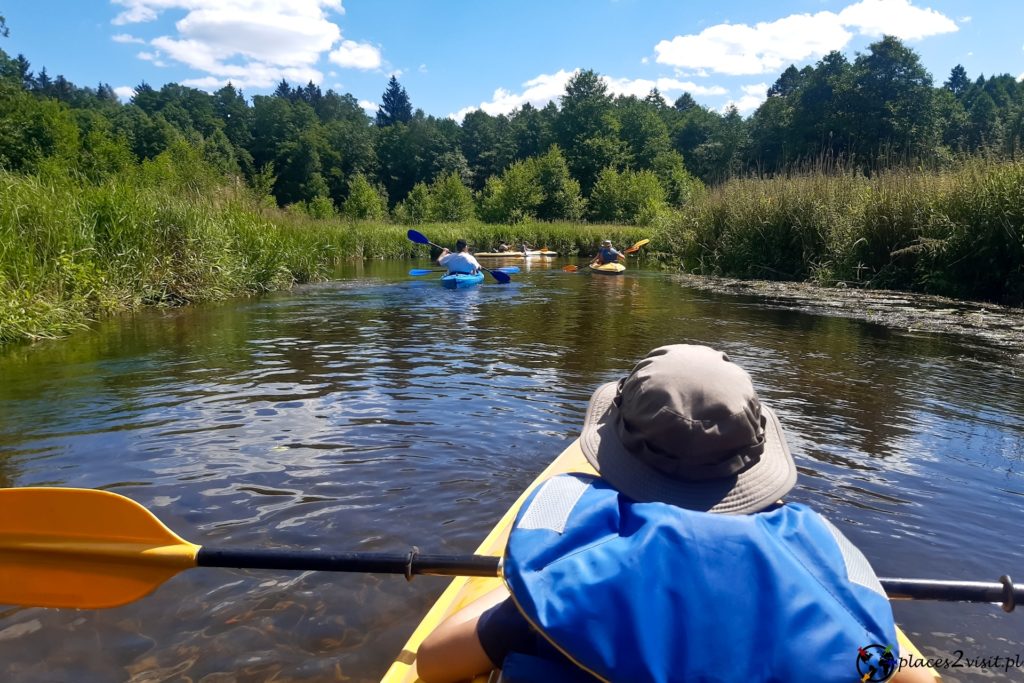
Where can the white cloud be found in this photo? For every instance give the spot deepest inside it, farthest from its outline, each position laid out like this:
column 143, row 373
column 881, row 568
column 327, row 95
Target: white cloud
column 965, row 20
column 639, row 87
column 744, row 105
column 422, row 68
column 368, row 106
column 355, row 55
column 252, row 43
column 127, row 38
column 896, row 18
column 753, row 96
column 740, row 49
column 124, row 92
column 537, row 91
column 547, row 87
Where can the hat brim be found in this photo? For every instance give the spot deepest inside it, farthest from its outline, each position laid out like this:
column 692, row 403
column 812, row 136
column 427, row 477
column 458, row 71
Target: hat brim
column 753, row 489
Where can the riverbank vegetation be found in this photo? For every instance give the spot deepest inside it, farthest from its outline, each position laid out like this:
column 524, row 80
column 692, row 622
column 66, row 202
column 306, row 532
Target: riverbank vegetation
column 861, row 172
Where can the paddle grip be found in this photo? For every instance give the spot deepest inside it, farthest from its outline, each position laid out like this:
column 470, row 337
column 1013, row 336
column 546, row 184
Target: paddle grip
column 1003, row 592
column 374, row 563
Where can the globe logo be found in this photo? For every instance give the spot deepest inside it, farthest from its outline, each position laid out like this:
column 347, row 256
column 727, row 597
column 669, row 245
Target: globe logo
column 875, row 663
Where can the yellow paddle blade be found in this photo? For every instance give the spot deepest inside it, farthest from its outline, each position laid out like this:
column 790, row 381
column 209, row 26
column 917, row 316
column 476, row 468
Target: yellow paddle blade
column 62, row 547
column 636, row 247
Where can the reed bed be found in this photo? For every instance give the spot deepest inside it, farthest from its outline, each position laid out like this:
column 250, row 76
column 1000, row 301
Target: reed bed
column 956, row 232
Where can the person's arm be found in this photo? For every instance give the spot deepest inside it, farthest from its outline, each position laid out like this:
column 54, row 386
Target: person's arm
column 444, row 257
column 452, row 652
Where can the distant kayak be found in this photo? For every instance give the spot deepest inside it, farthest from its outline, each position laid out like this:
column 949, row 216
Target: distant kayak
column 608, row 268
column 461, row 280
column 516, row 254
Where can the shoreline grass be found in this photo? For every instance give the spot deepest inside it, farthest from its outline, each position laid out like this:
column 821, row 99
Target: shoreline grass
column 72, row 251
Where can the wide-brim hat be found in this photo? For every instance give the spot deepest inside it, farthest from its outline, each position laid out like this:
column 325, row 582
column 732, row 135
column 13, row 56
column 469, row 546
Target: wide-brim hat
column 685, row 427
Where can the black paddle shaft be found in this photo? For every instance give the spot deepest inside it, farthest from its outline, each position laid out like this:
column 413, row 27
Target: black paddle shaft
column 409, row 564
column 1003, row 592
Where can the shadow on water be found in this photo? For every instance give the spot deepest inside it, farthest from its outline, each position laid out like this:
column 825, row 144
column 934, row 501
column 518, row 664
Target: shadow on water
column 380, row 411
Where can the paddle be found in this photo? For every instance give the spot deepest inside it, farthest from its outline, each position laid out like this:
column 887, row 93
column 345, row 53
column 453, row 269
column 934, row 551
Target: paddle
column 420, row 238
column 63, row 547
column 631, row 250
column 427, row 271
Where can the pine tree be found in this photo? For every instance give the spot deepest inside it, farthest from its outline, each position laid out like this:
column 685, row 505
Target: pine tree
column 958, row 81
column 395, row 105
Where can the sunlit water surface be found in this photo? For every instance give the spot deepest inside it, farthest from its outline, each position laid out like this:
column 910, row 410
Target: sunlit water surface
column 379, row 411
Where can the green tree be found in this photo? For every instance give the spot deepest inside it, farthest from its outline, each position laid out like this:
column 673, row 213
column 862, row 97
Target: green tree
column 513, row 197
column 364, row 201
column 894, row 106
column 643, row 132
column 530, row 130
column 450, row 200
column 486, row 145
column 395, row 105
column 415, row 208
column 957, row 83
column 587, row 128
column 634, row 197
column 560, row 192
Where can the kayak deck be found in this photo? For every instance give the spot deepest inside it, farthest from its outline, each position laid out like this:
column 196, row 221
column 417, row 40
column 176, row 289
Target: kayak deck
column 461, row 280
column 463, row 589
column 608, row 268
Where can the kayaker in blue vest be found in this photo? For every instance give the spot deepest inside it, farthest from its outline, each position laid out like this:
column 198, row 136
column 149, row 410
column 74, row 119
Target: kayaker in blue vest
column 461, row 261
column 680, row 562
column 607, row 254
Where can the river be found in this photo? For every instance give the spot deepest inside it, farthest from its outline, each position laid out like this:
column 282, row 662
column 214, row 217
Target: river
column 379, row 411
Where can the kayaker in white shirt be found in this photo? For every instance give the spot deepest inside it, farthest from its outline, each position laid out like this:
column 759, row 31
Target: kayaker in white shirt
column 461, row 261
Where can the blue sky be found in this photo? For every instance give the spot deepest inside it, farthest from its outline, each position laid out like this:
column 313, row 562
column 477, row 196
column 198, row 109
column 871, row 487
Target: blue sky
column 456, row 55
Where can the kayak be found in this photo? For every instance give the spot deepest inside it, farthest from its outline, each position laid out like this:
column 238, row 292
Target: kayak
column 464, row 590
column 461, row 280
column 608, row 268
column 516, row 254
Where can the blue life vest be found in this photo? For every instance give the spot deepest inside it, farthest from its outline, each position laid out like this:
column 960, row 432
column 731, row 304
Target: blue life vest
column 608, row 255
column 639, row 592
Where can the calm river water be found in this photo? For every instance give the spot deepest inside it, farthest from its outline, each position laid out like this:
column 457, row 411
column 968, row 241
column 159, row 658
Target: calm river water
column 380, row 411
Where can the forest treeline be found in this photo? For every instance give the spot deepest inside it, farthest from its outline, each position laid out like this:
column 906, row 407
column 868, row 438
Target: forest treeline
column 860, row 172
column 590, row 157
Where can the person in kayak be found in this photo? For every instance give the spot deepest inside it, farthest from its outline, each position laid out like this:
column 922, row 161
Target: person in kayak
column 607, row 254
column 680, row 561
column 461, row 261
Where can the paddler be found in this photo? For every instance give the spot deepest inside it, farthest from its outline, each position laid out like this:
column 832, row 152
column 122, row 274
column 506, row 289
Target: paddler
column 461, row 261
column 680, row 562
column 607, row 254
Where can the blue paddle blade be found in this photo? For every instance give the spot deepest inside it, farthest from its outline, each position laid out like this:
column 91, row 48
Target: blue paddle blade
column 417, row 237
column 501, row 277
column 421, row 271
column 511, row 270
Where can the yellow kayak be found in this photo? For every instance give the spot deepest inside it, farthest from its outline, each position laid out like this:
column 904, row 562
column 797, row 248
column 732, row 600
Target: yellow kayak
column 464, row 590
column 516, row 254
column 608, row 268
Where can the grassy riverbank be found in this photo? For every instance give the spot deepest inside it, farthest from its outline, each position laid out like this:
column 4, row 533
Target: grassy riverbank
column 957, row 232
column 71, row 251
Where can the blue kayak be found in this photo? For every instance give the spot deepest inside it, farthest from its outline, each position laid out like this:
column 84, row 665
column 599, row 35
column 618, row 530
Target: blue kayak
column 461, row 280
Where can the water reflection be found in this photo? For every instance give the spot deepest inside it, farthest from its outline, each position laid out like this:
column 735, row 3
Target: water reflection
column 382, row 411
